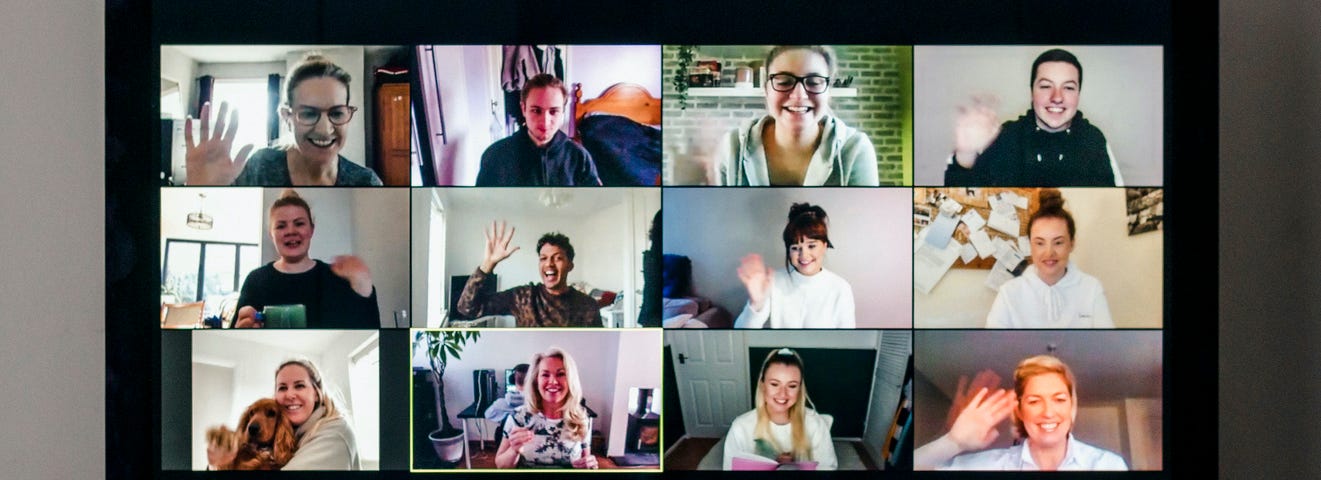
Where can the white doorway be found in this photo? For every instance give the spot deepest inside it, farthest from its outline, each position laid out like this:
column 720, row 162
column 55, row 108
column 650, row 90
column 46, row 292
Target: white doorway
column 711, row 368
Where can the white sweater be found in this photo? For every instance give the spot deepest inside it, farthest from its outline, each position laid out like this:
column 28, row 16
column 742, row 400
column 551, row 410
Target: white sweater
column 741, row 438
column 824, row 300
column 1076, row 301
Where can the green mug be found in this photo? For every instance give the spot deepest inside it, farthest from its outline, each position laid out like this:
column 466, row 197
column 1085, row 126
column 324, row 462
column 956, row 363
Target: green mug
column 285, row 316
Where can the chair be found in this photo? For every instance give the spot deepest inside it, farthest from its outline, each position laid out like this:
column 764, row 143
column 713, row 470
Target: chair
column 181, row 315
column 483, row 395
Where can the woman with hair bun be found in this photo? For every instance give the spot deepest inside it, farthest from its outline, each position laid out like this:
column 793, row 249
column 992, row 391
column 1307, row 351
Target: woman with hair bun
column 316, row 111
column 339, row 294
column 1052, row 292
column 805, row 294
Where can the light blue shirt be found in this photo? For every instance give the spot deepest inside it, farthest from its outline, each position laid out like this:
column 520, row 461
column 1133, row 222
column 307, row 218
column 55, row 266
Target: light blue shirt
column 1078, row 456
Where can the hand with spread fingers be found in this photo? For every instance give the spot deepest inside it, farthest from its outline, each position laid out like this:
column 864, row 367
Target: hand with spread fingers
column 208, row 160
column 497, row 245
column 975, row 427
column 355, row 271
column 756, row 276
column 976, row 126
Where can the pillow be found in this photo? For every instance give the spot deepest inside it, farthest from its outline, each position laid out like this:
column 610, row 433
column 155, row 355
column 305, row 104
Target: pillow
column 677, row 273
column 673, row 307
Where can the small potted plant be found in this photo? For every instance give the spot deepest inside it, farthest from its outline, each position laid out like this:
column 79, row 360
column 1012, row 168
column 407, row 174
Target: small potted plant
column 441, row 347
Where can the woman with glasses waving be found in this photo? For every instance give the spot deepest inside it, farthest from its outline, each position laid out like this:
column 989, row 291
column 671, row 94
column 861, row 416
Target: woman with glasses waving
column 798, row 141
column 316, row 110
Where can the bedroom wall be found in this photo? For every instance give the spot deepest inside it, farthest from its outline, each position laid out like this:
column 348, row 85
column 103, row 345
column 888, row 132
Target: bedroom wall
column 882, row 108
column 597, row 67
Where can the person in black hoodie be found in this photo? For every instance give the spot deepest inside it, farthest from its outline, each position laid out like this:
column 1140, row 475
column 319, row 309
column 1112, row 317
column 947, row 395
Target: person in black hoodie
column 1049, row 145
column 540, row 154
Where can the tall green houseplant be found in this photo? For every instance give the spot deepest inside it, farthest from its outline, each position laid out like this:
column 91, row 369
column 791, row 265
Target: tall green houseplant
column 441, row 347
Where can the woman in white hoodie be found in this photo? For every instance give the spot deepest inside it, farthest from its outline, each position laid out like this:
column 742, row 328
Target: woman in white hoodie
column 1052, row 292
column 804, row 296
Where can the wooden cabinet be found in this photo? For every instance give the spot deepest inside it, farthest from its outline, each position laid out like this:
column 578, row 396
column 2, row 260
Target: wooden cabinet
column 393, row 134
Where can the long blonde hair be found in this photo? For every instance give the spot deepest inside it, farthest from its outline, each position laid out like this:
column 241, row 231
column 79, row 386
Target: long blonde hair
column 802, row 446
column 323, row 400
column 573, row 413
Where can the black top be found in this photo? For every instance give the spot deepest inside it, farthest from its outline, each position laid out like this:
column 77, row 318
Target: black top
column 330, row 300
column 516, row 161
column 1024, row 155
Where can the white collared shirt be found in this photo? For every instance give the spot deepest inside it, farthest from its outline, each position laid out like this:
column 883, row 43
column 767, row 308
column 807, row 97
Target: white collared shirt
column 1078, row 456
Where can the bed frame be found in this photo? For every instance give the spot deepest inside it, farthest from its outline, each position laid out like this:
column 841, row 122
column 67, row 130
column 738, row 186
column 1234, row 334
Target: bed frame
column 625, row 99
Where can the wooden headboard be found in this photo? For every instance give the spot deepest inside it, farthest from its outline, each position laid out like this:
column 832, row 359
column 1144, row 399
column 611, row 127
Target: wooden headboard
column 625, row 99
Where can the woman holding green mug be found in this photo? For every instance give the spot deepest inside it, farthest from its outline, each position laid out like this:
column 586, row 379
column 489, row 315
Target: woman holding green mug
column 335, row 295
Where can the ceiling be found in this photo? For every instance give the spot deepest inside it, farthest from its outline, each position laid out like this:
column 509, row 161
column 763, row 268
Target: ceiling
column 1108, row 364
column 581, row 201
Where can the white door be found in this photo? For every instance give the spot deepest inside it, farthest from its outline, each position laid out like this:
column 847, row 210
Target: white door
column 711, row 368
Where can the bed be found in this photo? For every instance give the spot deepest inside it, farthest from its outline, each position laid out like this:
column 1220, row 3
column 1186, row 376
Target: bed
column 680, row 306
column 621, row 130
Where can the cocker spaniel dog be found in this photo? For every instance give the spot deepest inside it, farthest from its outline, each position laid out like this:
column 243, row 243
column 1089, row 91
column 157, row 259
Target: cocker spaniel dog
column 264, row 440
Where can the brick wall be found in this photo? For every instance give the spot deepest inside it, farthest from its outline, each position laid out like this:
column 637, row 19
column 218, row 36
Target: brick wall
column 879, row 110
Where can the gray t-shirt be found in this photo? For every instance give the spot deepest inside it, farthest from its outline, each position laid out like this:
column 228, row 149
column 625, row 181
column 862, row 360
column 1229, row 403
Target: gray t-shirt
column 269, row 167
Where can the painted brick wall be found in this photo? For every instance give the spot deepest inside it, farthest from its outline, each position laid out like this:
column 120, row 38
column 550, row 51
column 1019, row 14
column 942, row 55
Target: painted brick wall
column 879, row 109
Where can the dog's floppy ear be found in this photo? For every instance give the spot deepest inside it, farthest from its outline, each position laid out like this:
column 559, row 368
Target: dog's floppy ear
column 284, row 440
column 243, row 424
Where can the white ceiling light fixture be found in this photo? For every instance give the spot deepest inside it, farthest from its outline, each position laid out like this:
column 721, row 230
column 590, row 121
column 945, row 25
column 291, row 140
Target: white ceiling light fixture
column 555, row 197
column 199, row 219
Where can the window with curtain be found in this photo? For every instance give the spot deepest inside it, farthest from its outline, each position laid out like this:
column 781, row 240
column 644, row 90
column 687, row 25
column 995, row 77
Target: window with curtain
column 251, row 98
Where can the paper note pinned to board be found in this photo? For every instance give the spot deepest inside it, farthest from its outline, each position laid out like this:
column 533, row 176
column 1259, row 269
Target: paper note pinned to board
column 941, row 229
column 1003, row 271
column 1004, row 221
column 931, row 263
column 1024, row 246
column 973, row 220
column 982, row 243
column 967, row 253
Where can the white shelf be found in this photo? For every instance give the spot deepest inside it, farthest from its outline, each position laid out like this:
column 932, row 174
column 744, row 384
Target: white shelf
column 755, row 92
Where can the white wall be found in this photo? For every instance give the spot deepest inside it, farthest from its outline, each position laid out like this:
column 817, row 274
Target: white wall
column 420, row 201
column 182, row 70
column 641, row 351
column 468, row 85
column 380, row 237
column 717, row 227
column 234, row 209
column 596, row 352
column 1122, row 92
column 1130, row 268
column 253, row 357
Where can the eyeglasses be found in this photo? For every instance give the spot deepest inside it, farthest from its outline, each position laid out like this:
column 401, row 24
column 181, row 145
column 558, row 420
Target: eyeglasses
column 338, row 115
column 785, row 82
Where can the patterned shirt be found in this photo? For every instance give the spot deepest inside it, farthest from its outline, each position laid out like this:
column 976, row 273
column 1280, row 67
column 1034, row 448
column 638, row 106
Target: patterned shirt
column 549, row 448
column 531, row 305
column 269, row 167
